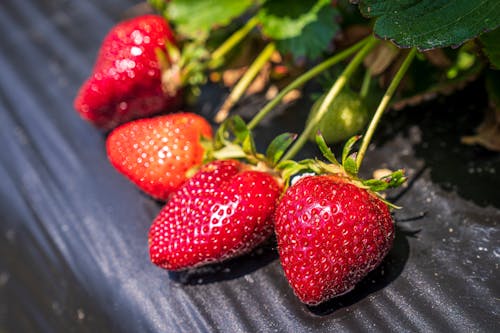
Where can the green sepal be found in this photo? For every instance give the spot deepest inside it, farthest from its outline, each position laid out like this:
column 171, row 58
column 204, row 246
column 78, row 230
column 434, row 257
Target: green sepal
column 221, row 137
column 233, row 139
column 229, row 151
column 278, row 146
column 242, row 134
column 348, row 158
column 388, row 203
column 173, row 52
column 350, row 165
column 325, row 150
column 393, row 180
column 208, row 149
column 290, row 168
column 346, row 152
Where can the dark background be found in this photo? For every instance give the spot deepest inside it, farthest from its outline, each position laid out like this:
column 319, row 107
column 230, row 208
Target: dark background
column 73, row 249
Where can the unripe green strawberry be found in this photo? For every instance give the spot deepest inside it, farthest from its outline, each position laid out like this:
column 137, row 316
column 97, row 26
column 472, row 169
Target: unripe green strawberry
column 346, row 117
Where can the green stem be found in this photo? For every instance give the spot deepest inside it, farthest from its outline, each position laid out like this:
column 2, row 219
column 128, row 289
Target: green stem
column 231, row 42
column 383, row 105
column 245, row 81
column 334, row 91
column 303, row 79
column 365, row 86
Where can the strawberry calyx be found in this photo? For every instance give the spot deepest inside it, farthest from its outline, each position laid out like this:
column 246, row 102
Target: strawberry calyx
column 347, row 169
column 234, row 140
column 182, row 67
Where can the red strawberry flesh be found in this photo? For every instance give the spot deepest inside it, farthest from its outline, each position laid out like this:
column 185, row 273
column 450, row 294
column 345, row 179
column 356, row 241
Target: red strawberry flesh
column 330, row 234
column 156, row 153
column 223, row 211
column 126, row 79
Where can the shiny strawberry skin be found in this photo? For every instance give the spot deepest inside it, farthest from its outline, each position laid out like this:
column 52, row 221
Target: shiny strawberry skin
column 126, row 80
column 330, row 235
column 156, row 153
column 223, row 211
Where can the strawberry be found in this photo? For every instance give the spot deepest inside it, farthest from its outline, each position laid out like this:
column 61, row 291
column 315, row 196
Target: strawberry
column 331, row 233
column 345, row 117
column 156, row 153
column 223, row 211
column 126, row 80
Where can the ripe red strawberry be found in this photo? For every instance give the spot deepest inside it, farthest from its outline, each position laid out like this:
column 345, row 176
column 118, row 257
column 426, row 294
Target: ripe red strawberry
column 126, row 80
column 155, row 153
column 330, row 233
column 223, row 211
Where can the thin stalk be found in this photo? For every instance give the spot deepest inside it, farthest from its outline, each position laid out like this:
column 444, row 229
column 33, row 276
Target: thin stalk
column 334, row 91
column 245, row 81
column 365, row 86
column 231, row 42
column 303, row 79
column 383, row 105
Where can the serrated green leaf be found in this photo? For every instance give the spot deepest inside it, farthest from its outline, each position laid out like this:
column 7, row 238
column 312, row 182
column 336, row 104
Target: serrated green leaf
column 428, row 24
column 278, row 146
column 195, row 18
column 302, row 28
column 491, row 47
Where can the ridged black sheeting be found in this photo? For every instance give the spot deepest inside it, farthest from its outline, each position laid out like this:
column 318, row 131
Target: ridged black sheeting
column 73, row 250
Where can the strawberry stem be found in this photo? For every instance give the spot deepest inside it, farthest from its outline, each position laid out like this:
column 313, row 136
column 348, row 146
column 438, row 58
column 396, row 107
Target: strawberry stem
column 318, row 69
column 245, row 82
column 231, row 42
column 365, row 86
column 334, row 91
column 383, row 105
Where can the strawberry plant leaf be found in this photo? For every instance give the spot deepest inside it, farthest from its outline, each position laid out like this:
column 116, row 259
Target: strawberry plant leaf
column 195, row 18
column 302, row 28
column 428, row 24
column 278, row 146
column 491, row 47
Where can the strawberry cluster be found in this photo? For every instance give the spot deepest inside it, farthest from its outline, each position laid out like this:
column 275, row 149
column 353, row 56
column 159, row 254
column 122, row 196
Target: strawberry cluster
column 222, row 197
